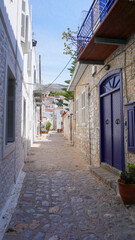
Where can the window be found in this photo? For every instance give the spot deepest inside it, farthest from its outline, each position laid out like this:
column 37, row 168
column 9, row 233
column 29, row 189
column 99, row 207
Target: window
column 77, row 111
column 34, row 75
column 131, row 127
column 83, row 108
column 10, row 124
column 110, row 84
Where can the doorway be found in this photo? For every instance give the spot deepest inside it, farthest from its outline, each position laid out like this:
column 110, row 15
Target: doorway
column 111, row 120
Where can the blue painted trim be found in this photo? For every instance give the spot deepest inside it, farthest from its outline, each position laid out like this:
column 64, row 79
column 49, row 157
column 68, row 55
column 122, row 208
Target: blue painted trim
column 111, row 74
column 122, row 124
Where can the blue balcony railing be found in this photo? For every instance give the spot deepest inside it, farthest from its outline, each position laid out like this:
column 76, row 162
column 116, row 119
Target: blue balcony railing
column 95, row 16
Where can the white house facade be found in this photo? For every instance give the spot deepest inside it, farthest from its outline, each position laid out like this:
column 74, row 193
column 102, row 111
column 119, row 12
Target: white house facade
column 17, row 71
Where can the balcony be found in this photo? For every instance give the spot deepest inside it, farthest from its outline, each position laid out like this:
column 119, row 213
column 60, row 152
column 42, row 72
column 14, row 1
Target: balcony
column 38, row 100
column 37, row 91
column 107, row 25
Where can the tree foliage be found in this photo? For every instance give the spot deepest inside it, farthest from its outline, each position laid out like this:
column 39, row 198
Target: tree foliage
column 56, row 93
column 48, row 125
column 72, row 67
column 70, row 45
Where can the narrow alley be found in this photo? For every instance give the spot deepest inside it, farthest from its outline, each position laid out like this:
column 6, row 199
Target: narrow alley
column 60, row 199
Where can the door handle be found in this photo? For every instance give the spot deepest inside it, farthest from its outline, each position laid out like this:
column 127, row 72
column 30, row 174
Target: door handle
column 117, row 121
column 106, row 121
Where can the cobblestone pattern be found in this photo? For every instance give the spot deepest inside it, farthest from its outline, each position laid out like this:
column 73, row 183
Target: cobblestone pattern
column 60, row 199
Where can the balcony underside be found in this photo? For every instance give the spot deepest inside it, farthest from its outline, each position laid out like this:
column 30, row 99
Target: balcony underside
column 118, row 24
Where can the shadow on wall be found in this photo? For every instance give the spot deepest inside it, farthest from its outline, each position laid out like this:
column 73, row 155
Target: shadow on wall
column 13, row 145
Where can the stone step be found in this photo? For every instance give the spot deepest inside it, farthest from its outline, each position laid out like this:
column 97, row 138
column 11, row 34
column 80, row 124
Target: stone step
column 107, row 177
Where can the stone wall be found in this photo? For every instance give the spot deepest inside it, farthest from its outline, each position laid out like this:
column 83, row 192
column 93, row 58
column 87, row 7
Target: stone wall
column 81, row 134
column 68, row 124
column 123, row 58
column 87, row 138
column 66, row 131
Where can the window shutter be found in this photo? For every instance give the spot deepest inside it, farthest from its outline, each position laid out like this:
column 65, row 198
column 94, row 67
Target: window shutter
column 11, row 111
column 131, row 127
column 77, row 111
column 83, row 107
column 34, row 75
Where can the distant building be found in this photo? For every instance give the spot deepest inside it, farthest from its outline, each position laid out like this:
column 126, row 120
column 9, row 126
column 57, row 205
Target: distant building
column 52, row 111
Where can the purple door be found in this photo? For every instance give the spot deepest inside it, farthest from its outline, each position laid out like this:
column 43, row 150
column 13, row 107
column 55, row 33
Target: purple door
column 111, row 122
column 116, row 130
column 107, row 129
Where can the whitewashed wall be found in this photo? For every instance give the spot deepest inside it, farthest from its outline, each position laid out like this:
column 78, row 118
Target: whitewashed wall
column 12, row 55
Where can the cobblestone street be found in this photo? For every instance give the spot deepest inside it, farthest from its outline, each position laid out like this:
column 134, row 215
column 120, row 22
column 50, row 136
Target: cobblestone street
column 60, row 199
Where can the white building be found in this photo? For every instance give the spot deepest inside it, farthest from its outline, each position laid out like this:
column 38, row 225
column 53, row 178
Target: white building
column 17, row 76
column 48, row 107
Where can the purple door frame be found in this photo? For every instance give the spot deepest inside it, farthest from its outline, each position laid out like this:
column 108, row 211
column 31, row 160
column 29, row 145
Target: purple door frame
column 117, row 72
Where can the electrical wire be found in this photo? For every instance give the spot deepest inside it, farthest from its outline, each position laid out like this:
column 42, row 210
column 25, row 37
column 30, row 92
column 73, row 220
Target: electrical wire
column 60, row 72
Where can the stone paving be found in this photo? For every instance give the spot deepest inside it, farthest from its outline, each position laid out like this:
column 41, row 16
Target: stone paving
column 60, row 199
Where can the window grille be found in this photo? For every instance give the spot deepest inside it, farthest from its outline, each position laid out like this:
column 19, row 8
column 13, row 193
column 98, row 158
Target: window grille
column 83, row 108
column 10, row 124
column 77, row 111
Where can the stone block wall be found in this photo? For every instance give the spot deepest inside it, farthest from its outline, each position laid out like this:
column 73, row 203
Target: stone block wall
column 81, row 134
column 66, row 127
column 123, row 58
column 87, row 138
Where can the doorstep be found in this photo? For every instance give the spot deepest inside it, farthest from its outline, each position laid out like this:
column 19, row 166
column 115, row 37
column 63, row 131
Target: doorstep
column 107, row 175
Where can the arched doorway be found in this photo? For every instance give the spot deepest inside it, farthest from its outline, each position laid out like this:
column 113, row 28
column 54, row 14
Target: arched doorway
column 111, row 119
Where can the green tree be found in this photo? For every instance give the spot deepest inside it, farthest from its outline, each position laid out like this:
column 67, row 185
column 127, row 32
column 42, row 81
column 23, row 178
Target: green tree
column 48, row 125
column 73, row 64
column 70, row 47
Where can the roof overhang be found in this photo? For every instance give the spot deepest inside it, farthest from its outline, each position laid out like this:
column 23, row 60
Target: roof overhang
column 79, row 70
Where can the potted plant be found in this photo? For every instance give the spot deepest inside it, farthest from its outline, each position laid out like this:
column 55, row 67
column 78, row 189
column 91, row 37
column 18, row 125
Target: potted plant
column 48, row 125
column 131, row 168
column 126, row 184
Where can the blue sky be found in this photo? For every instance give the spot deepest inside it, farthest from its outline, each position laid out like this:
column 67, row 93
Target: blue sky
column 50, row 19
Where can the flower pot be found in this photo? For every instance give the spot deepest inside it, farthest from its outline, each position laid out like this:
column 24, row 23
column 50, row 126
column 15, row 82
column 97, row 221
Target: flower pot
column 127, row 192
